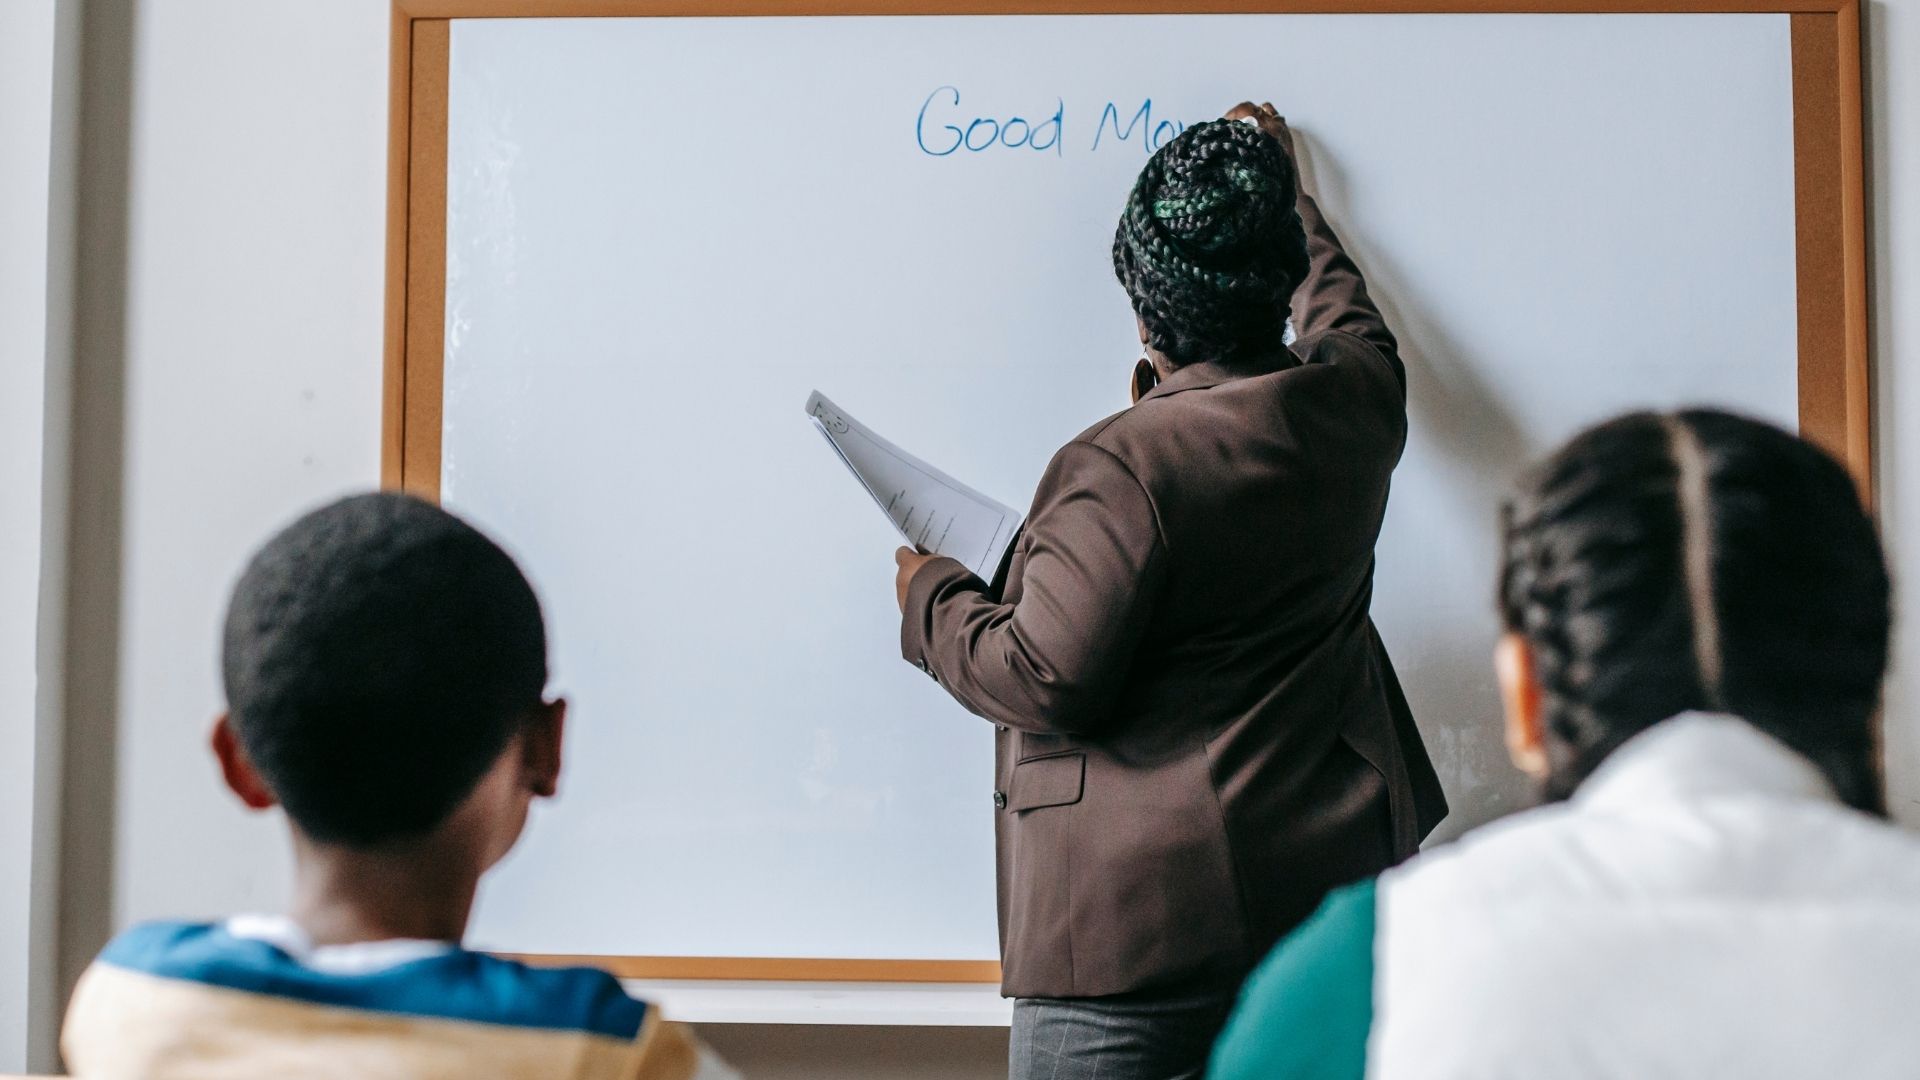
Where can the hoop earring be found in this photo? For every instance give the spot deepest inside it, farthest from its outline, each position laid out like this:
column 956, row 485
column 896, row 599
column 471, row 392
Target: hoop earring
column 1145, row 378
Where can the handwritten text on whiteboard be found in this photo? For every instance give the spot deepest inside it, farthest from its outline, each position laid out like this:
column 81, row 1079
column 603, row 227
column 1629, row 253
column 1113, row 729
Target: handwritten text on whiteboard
column 944, row 127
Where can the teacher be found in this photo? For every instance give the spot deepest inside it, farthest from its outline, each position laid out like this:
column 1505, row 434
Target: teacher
column 1199, row 731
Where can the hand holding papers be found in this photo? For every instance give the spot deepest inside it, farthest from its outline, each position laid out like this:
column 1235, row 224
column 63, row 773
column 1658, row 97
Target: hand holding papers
column 932, row 510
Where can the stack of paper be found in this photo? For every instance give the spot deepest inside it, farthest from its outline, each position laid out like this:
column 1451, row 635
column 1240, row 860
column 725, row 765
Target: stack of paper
column 933, row 511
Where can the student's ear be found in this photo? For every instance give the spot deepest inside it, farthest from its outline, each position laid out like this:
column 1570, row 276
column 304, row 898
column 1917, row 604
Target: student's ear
column 237, row 768
column 540, row 749
column 1520, row 698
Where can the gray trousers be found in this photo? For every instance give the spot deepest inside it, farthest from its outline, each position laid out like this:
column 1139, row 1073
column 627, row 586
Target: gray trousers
column 1143, row 1036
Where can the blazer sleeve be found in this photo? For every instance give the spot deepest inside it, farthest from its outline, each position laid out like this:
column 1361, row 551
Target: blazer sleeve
column 1334, row 294
column 1052, row 661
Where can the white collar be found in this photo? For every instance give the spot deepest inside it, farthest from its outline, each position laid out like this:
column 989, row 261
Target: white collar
column 360, row 958
column 1697, row 756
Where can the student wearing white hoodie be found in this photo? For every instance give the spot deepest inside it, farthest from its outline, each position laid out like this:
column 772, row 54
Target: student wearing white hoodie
column 1696, row 617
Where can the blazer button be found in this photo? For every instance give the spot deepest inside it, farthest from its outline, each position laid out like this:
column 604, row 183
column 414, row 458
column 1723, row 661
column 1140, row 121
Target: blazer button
column 999, row 800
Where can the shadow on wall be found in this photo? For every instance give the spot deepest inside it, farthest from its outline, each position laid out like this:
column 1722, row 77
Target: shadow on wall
column 95, row 509
column 1476, row 445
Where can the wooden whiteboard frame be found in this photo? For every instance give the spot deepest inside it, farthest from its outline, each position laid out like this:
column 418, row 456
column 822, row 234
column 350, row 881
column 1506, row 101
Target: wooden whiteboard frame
column 1829, row 230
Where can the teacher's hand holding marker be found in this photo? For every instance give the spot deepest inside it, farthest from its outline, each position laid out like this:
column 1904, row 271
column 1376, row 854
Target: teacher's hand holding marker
column 1198, row 732
column 1268, row 120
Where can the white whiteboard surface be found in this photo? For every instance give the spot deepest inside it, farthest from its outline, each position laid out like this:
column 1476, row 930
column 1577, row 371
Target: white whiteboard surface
column 663, row 233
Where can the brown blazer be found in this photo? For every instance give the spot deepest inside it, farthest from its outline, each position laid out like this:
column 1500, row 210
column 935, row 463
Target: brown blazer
column 1199, row 730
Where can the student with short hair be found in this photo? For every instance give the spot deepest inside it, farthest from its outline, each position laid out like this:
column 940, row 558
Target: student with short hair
column 1696, row 617
column 385, row 668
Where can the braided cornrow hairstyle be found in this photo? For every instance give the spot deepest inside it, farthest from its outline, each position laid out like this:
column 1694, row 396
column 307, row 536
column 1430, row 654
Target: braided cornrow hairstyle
column 1210, row 246
column 1661, row 563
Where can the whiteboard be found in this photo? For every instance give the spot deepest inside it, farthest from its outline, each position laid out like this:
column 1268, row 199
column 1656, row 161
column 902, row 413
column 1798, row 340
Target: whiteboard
column 663, row 233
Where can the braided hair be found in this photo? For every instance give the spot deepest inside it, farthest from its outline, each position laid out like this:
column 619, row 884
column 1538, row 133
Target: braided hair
column 1210, row 246
column 1662, row 563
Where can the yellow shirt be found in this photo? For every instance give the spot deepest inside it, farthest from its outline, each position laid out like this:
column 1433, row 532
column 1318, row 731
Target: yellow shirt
column 173, row 1001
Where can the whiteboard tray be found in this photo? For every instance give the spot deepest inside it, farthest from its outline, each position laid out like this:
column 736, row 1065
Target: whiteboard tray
column 860, row 1004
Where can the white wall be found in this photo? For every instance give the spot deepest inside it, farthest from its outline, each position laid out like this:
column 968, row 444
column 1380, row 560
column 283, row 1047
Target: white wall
column 26, row 150
column 253, row 382
column 255, row 176
column 1893, row 167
